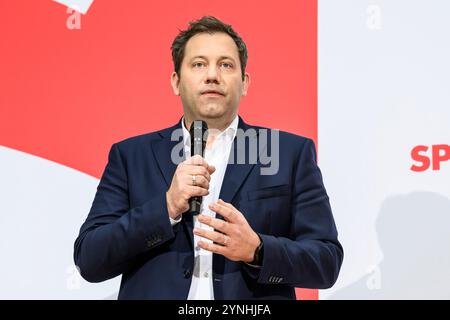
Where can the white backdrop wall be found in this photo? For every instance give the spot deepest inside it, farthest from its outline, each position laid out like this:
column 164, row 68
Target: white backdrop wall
column 384, row 89
column 43, row 206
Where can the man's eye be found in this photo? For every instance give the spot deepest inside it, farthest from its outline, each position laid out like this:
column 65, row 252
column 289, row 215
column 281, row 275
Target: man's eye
column 198, row 64
column 227, row 65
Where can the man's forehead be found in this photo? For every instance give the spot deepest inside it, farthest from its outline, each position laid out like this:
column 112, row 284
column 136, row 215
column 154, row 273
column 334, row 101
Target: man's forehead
column 207, row 45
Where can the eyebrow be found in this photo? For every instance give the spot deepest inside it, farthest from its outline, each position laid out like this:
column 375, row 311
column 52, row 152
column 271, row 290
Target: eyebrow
column 220, row 58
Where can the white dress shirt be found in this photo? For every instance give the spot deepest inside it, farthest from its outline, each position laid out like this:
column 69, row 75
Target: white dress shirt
column 217, row 155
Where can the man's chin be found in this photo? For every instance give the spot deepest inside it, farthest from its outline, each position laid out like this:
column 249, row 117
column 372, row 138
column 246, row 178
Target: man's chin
column 212, row 112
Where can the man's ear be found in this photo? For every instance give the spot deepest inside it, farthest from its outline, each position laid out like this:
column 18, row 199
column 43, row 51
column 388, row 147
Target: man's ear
column 246, row 84
column 175, row 81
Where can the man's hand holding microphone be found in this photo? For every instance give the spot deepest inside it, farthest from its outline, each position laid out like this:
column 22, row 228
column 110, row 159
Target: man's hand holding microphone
column 191, row 179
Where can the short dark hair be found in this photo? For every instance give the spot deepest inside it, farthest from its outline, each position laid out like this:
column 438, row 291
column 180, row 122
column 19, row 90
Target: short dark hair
column 209, row 25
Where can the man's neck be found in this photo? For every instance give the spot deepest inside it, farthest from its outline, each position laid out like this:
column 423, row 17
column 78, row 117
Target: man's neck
column 217, row 124
column 215, row 127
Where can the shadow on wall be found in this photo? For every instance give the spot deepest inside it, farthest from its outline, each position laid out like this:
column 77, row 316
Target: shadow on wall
column 414, row 234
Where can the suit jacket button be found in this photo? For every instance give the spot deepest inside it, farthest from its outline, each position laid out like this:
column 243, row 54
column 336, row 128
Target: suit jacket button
column 187, row 273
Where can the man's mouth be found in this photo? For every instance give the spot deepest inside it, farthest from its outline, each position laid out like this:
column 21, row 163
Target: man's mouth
column 212, row 93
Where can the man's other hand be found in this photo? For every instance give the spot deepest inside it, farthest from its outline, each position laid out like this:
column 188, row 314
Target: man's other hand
column 232, row 237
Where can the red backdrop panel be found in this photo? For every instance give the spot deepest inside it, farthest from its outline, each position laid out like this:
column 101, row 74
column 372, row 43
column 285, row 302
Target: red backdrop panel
column 67, row 95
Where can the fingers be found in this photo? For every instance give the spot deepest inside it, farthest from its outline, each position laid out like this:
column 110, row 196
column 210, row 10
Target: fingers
column 200, row 181
column 195, row 191
column 214, row 236
column 197, row 171
column 215, row 248
column 226, row 204
column 226, row 210
column 197, row 165
column 197, row 160
column 217, row 224
column 211, row 169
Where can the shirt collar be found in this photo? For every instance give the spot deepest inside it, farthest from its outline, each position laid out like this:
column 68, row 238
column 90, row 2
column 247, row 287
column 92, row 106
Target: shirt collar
column 230, row 131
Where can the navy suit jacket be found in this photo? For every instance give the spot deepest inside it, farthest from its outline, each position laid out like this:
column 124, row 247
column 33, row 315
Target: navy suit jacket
column 128, row 231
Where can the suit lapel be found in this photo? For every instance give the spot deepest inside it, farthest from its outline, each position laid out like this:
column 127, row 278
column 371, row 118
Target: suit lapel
column 162, row 151
column 236, row 172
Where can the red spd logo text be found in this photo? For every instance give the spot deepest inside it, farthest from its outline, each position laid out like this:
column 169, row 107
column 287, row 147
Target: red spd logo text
column 429, row 156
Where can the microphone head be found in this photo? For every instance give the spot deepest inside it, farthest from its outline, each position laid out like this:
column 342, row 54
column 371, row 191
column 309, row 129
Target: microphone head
column 199, row 136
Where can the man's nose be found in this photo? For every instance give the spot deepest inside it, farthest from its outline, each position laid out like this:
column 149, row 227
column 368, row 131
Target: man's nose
column 212, row 75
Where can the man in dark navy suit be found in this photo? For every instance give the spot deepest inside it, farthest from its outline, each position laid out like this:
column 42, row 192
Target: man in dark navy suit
column 265, row 227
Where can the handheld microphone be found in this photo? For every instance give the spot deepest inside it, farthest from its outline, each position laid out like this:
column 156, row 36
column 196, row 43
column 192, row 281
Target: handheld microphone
column 199, row 135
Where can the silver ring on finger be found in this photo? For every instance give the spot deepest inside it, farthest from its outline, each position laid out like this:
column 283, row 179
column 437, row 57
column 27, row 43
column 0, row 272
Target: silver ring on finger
column 225, row 240
column 194, row 180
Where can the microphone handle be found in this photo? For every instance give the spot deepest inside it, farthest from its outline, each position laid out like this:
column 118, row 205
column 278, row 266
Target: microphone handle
column 194, row 205
column 198, row 145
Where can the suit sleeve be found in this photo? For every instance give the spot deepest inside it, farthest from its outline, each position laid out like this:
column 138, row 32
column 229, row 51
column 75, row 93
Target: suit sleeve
column 114, row 234
column 312, row 256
